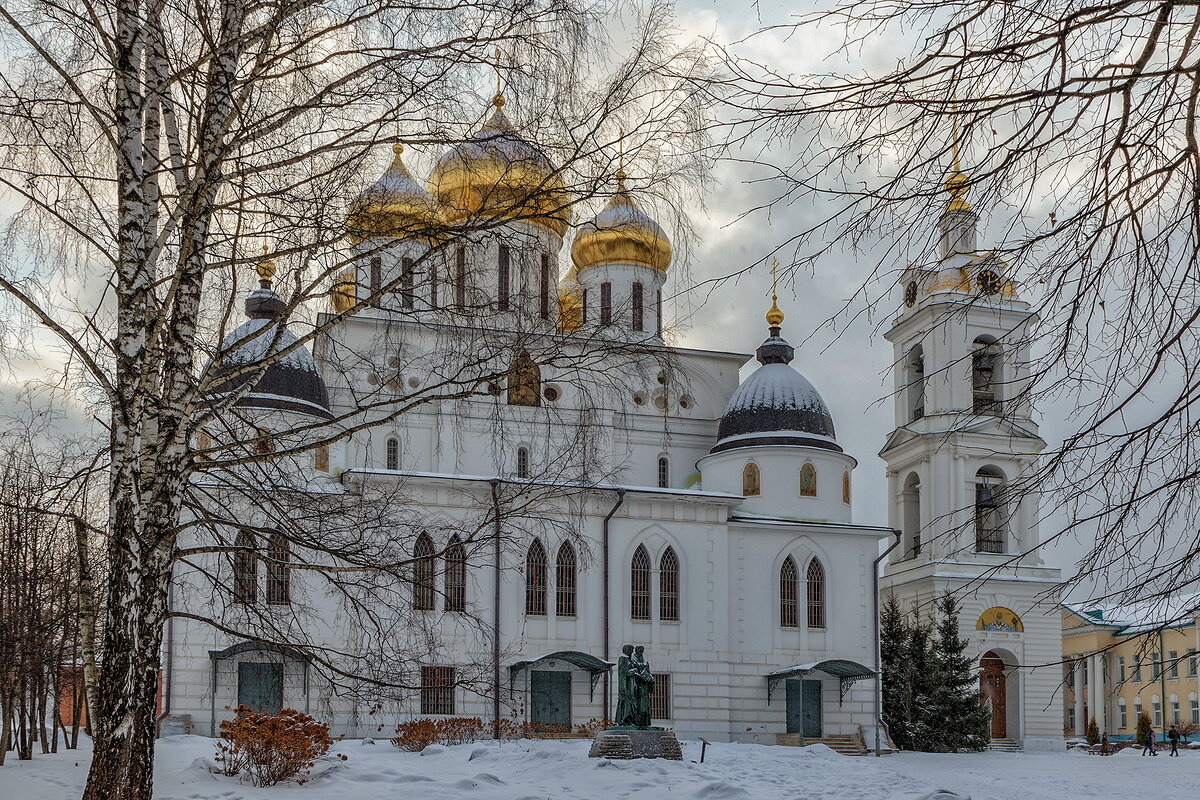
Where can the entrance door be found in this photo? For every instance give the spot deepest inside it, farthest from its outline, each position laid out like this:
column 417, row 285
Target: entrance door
column 550, row 698
column 260, row 686
column 993, row 686
column 804, row 708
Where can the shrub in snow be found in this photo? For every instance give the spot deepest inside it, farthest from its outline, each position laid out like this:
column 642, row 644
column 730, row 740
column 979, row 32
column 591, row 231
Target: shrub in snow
column 592, row 727
column 417, row 734
column 272, row 748
column 1093, row 732
column 1143, row 729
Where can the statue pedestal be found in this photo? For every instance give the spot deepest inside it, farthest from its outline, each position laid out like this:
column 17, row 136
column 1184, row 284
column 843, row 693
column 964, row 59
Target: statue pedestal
column 627, row 743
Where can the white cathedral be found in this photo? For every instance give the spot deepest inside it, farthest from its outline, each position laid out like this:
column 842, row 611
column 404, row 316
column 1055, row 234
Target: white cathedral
column 712, row 517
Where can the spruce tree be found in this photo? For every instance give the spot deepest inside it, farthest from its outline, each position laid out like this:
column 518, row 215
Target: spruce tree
column 919, row 698
column 955, row 717
column 1143, row 729
column 897, row 678
column 1093, row 732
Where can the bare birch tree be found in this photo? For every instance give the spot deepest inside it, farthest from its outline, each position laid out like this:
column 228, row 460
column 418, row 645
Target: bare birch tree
column 158, row 147
column 1076, row 128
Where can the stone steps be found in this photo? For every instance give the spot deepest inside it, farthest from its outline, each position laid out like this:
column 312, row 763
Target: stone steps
column 1004, row 745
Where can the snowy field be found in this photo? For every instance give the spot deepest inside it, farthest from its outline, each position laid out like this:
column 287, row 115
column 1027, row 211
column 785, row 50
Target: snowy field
column 527, row 770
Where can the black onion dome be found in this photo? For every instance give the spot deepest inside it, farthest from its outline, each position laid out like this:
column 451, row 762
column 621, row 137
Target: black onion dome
column 292, row 383
column 776, row 406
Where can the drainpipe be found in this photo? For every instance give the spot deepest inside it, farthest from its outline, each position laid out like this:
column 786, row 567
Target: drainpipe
column 496, row 613
column 607, row 593
column 878, row 650
column 1162, row 683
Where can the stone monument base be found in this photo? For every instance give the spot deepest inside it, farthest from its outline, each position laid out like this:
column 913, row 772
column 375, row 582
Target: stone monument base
column 627, row 743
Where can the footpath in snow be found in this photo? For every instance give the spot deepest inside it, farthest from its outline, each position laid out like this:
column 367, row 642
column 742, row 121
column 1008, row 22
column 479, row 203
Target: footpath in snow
column 551, row 770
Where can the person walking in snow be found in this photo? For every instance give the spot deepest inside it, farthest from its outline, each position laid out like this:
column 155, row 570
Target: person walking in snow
column 1173, row 735
column 1148, row 743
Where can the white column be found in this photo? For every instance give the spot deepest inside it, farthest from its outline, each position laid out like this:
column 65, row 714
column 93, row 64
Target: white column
column 1097, row 697
column 1080, row 722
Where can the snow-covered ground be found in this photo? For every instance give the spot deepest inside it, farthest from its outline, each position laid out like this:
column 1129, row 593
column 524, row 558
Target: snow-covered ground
column 527, row 770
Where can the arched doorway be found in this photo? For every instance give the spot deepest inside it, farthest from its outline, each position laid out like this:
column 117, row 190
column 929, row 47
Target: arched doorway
column 994, row 687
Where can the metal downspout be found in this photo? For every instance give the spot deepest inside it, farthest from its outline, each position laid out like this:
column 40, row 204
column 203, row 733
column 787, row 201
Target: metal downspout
column 607, row 596
column 878, row 649
column 496, row 613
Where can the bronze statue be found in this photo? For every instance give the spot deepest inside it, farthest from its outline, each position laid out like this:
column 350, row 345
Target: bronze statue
column 625, row 688
column 643, row 679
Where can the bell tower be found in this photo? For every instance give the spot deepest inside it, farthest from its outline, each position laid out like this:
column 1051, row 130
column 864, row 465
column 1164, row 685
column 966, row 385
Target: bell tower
column 964, row 450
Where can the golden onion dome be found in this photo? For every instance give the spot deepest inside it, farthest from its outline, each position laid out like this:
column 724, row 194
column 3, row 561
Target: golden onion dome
column 496, row 173
column 342, row 295
column 395, row 205
column 622, row 233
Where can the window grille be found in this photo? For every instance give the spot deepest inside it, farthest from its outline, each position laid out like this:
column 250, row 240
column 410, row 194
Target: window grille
column 503, row 278
column 664, row 472
column 245, row 570
column 668, row 586
column 279, row 584
column 437, row 690
column 816, row 595
column 564, row 584
column 789, row 600
column 606, row 304
column 522, row 462
column 660, row 697
column 636, row 307
column 639, row 583
column 393, row 453
column 424, row 573
column 456, row 576
column 535, row 580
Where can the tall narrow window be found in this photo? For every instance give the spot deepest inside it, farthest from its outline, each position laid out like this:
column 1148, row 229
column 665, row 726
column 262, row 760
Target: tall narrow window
column 668, row 585
column 636, row 306
column 502, row 277
column 639, row 584
column 456, row 576
column 433, row 284
column 584, row 311
column 279, row 583
column 407, row 284
column 1191, row 669
column 1124, row 722
column 1173, row 664
column 808, row 481
column 658, row 312
column 816, row 594
column 460, row 277
column 245, row 570
column 914, row 378
column 789, row 600
column 393, row 453
column 606, row 304
column 522, row 462
column 846, row 487
column 1195, row 704
column 376, row 279
column 564, row 581
column 989, row 511
column 664, row 472
column 424, row 573
column 985, row 376
column 535, row 580
column 437, row 690
column 544, row 288
column 750, row 482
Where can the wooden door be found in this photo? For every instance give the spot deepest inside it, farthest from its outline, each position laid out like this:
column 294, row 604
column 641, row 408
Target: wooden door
column 260, row 686
column 550, row 700
column 992, row 684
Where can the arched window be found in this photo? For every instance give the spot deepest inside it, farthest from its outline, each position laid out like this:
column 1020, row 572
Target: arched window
column 668, row 586
column 808, row 481
column 524, row 382
column 424, row 573
column 846, row 487
column 535, row 580
column 750, row 483
column 522, row 462
column 392, row 448
column 636, row 307
column 914, row 382
column 639, row 584
column 245, row 570
column 989, row 511
column 789, row 598
column 985, row 376
column 564, row 581
column 816, row 594
column 911, row 501
column 664, row 472
column 456, row 576
column 279, row 583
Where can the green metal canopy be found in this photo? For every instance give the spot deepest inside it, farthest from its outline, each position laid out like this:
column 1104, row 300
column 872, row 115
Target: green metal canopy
column 597, row 668
column 847, row 672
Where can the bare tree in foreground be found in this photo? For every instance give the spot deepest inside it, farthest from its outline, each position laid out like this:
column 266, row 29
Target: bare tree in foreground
column 1076, row 127
column 157, row 146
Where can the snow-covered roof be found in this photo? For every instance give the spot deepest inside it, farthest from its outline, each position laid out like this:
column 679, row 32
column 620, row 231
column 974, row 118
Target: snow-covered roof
column 1141, row 616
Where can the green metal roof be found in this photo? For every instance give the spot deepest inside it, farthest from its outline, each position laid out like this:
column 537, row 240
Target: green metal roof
column 582, row 660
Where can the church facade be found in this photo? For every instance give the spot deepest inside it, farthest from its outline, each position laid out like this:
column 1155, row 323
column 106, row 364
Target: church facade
column 709, row 518
column 964, row 447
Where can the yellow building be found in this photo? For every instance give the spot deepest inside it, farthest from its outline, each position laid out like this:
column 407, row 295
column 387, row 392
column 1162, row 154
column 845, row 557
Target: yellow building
column 1121, row 661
